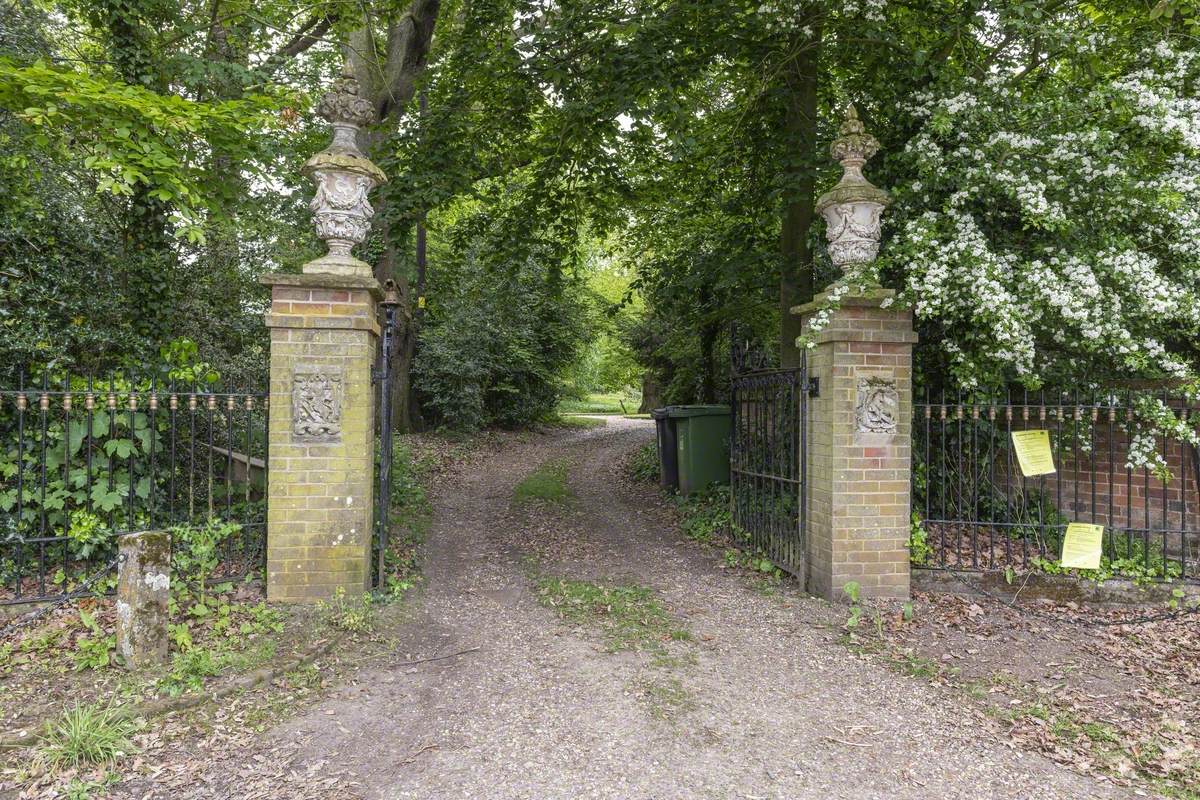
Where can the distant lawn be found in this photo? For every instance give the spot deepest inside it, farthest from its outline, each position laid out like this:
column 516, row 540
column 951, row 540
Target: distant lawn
column 575, row 421
column 601, row 403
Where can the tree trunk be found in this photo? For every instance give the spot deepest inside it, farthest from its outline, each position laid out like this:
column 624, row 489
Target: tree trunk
column 389, row 78
column 797, row 282
column 210, row 287
column 148, row 274
column 708, row 382
column 415, row 417
column 652, row 392
column 408, row 410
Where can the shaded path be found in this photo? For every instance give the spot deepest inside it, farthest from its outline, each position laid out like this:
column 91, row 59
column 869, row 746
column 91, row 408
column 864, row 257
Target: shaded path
column 768, row 706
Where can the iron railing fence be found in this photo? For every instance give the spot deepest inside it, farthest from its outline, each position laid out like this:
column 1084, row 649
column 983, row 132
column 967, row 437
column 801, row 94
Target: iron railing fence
column 86, row 460
column 767, row 456
column 974, row 509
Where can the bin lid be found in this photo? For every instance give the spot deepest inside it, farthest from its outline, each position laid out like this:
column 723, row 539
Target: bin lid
column 660, row 413
column 696, row 411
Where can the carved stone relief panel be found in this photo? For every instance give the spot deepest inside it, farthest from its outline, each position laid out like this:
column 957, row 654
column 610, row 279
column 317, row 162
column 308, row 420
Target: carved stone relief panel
column 877, row 406
column 317, row 404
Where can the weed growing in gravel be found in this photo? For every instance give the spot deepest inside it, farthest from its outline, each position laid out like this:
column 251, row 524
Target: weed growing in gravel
column 643, row 464
column 80, row 789
column 189, row 669
column 547, row 483
column 630, row 617
column 95, row 650
column 355, row 615
column 86, row 735
column 665, row 699
column 705, row 516
column 851, row 590
column 917, row 666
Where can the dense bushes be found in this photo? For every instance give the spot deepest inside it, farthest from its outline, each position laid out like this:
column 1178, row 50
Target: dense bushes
column 505, row 319
column 494, row 347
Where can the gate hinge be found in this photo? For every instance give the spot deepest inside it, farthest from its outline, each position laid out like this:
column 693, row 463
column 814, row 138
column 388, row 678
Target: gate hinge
column 375, row 375
column 814, row 387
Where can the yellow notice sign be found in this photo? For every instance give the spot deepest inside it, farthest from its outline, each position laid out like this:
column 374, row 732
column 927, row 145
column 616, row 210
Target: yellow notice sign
column 1082, row 545
column 1033, row 452
column 421, row 301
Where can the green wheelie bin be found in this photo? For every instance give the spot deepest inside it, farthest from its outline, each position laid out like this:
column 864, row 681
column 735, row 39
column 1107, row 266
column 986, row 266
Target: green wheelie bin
column 701, row 446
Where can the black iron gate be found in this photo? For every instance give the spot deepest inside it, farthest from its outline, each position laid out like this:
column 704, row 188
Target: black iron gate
column 385, row 441
column 767, row 458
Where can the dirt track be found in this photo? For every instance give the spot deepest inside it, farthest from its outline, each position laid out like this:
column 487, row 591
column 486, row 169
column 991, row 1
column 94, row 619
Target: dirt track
column 759, row 705
column 762, row 702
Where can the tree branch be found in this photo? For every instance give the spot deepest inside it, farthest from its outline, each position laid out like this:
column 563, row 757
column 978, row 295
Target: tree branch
column 309, row 34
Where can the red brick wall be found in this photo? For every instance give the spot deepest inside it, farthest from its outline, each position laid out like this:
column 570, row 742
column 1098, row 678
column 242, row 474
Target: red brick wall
column 1097, row 486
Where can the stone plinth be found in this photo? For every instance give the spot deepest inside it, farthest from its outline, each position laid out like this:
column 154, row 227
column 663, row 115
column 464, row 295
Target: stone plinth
column 860, row 448
column 143, row 592
column 321, row 435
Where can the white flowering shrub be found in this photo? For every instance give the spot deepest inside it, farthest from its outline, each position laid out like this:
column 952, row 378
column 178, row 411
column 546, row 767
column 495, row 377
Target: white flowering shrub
column 1049, row 231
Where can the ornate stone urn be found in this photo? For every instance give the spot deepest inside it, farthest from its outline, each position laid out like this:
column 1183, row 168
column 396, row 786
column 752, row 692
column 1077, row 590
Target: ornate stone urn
column 344, row 177
column 853, row 209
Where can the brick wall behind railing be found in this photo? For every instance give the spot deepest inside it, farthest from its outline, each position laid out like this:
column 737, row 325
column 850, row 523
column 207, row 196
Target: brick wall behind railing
column 1096, row 486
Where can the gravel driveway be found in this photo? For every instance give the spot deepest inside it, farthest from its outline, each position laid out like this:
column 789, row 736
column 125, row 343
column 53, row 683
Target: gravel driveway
column 761, row 704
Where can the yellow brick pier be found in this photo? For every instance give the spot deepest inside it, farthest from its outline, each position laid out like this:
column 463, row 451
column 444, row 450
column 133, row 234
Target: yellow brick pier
column 324, row 335
column 860, row 449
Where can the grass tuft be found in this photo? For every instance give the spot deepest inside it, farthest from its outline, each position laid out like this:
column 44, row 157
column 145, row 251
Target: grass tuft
column 630, row 617
column 86, row 735
column 547, row 483
column 665, row 699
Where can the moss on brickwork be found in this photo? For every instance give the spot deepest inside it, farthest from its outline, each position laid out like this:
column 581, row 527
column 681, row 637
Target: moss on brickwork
column 320, row 494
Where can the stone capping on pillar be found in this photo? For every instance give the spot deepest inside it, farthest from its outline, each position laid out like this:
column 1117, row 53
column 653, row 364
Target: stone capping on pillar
column 320, row 300
column 859, row 470
column 873, row 298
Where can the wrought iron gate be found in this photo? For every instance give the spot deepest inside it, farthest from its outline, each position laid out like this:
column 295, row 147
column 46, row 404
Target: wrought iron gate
column 767, row 459
column 385, row 442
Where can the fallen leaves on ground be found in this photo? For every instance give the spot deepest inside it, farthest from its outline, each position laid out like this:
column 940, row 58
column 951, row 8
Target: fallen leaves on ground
column 1119, row 700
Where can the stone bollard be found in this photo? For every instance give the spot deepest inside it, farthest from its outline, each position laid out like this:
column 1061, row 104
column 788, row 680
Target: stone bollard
column 143, row 589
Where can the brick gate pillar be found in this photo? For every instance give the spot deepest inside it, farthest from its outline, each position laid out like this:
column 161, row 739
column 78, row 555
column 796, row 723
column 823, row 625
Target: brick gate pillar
column 324, row 335
column 321, row 435
column 859, row 448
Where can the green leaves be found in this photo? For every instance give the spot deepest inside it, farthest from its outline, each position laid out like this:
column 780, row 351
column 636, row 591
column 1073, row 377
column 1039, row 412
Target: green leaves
column 105, row 499
column 93, row 651
column 130, row 136
column 121, row 448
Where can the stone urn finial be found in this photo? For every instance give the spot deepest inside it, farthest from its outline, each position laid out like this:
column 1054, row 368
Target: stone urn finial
column 853, row 209
column 344, row 177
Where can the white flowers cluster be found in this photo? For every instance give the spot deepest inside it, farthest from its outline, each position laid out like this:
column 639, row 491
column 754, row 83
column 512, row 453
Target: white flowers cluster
column 874, row 10
column 859, row 277
column 1051, row 232
column 1153, row 421
column 1045, row 240
column 784, row 16
column 1160, row 96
